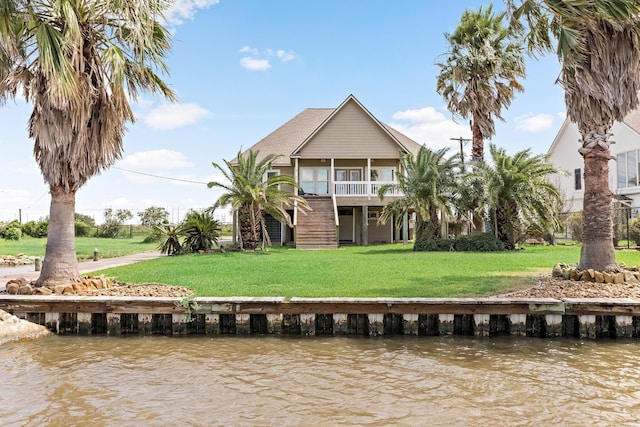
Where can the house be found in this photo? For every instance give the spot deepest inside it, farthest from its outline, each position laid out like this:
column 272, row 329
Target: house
column 340, row 157
column 623, row 170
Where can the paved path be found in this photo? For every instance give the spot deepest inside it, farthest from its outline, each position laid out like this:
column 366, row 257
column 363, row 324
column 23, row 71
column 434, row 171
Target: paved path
column 85, row 266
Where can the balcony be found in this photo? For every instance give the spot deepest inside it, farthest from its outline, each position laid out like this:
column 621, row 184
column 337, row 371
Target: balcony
column 362, row 188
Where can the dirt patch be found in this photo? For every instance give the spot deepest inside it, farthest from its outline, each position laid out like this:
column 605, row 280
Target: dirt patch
column 546, row 286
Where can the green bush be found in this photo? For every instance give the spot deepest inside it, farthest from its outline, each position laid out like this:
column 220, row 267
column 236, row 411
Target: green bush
column 12, row 233
column 634, row 231
column 433, row 245
column 83, row 229
column 574, row 226
column 484, row 242
column 36, row 229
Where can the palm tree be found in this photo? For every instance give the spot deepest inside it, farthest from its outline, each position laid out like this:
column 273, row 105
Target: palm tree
column 252, row 192
column 201, row 231
column 77, row 61
column 479, row 76
column 518, row 193
column 428, row 184
column 169, row 236
column 598, row 44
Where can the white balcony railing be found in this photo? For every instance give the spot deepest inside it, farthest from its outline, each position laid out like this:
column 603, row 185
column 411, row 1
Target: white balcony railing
column 362, row 189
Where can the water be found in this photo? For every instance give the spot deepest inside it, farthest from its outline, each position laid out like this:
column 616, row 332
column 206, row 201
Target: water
column 159, row 381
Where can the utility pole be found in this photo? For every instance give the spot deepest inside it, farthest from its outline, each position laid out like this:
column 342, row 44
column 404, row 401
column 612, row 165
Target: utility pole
column 462, row 141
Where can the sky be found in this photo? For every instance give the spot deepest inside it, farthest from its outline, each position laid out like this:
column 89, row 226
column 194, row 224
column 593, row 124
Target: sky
column 242, row 68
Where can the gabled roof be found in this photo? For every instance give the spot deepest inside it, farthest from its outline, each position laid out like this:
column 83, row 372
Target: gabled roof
column 289, row 138
column 632, row 120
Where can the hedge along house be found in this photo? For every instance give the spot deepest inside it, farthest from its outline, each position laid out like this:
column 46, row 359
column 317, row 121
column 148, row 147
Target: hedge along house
column 340, row 157
column 624, row 173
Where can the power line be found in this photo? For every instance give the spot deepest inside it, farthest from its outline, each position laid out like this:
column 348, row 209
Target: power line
column 160, row 176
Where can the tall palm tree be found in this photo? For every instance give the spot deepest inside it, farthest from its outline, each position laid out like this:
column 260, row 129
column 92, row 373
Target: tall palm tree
column 518, row 193
column 427, row 181
column 76, row 61
column 252, row 192
column 598, row 44
column 479, row 76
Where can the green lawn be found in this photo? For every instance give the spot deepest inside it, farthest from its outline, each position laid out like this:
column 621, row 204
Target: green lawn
column 373, row 271
column 84, row 246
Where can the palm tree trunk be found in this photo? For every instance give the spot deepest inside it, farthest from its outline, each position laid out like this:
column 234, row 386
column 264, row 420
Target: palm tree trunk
column 477, row 147
column 60, row 265
column 249, row 227
column 597, row 235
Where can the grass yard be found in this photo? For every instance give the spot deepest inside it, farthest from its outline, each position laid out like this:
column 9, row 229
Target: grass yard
column 356, row 271
column 84, row 246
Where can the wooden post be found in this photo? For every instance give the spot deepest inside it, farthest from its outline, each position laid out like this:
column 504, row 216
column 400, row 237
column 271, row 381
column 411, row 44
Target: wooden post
column 113, row 324
column 212, row 324
column 481, row 322
column 308, row 324
column 274, row 324
column 445, row 324
column 587, row 326
column 340, row 324
column 624, row 326
column 376, row 324
column 243, row 324
column 179, row 324
column 410, row 323
column 518, row 324
column 553, row 325
column 52, row 321
column 84, row 323
column 145, row 323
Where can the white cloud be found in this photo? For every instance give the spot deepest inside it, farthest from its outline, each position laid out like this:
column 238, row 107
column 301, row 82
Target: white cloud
column 182, row 10
column 155, row 160
column 254, row 64
column 285, row 56
column 173, row 116
column 533, row 122
column 430, row 127
column 260, row 61
column 249, row 49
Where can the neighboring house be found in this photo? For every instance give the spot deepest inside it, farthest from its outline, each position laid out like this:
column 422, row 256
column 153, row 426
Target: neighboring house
column 340, row 157
column 623, row 170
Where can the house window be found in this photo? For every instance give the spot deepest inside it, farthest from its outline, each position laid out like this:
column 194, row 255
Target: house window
column 627, row 169
column 314, row 180
column 577, row 175
column 383, row 174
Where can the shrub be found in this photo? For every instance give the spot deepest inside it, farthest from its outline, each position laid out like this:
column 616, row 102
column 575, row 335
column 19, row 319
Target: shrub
column 433, row 245
column 83, row 229
column 36, row 229
column 634, row 231
column 484, row 242
column 574, row 226
column 12, row 233
column 200, row 231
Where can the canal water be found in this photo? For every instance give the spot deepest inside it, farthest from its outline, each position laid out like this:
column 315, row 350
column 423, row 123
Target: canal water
column 265, row 381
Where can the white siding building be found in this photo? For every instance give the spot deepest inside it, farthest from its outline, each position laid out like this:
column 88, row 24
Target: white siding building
column 623, row 172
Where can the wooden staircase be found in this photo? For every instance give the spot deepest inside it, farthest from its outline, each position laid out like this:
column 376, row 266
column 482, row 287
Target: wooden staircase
column 316, row 228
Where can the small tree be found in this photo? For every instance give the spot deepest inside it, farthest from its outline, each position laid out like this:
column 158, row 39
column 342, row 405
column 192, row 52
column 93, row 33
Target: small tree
column 113, row 220
column 153, row 215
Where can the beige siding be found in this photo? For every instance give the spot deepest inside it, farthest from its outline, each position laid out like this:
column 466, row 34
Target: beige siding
column 351, row 133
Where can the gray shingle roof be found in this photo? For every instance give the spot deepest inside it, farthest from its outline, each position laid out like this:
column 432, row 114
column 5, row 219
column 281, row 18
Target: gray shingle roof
column 288, row 137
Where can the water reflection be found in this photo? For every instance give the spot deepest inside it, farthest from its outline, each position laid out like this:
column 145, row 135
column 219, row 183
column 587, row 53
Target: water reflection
column 325, row 381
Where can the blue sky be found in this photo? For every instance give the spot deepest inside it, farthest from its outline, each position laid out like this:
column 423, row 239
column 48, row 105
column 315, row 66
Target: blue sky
column 242, row 68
